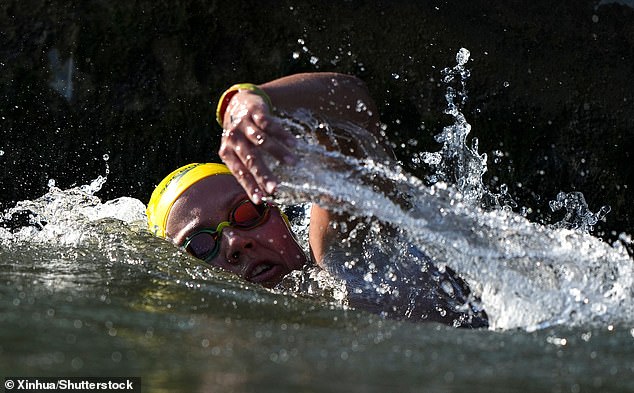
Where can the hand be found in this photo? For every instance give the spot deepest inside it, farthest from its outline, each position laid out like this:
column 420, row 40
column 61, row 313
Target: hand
column 250, row 131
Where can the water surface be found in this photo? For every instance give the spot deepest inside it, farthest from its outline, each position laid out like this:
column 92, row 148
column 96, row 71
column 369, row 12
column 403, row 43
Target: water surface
column 88, row 292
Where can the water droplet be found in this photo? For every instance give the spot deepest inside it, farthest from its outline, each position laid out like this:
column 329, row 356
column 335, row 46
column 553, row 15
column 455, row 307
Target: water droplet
column 462, row 57
column 595, row 18
column 51, row 183
column 106, row 157
column 447, row 287
column 361, row 107
column 506, row 84
column 1, row 153
column 432, row 158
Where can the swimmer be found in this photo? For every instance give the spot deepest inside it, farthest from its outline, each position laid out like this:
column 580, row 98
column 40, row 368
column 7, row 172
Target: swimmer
column 218, row 213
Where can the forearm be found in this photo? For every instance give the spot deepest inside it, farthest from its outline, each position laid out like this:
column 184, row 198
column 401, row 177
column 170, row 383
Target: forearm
column 336, row 95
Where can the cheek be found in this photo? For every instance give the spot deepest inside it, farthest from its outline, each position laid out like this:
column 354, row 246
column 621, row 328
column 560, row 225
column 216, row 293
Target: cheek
column 275, row 236
column 294, row 255
column 278, row 238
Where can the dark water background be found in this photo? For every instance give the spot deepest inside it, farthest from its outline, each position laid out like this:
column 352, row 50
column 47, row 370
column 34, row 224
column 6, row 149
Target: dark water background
column 550, row 99
column 552, row 90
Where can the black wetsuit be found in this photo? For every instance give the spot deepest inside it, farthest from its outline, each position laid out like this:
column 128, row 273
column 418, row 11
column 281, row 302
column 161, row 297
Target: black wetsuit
column 401, row 282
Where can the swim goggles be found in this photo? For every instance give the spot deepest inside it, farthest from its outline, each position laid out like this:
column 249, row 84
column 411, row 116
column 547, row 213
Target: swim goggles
column 205, row 243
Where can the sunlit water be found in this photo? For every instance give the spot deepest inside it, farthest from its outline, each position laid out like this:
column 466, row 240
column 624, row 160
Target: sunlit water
column 87, row 291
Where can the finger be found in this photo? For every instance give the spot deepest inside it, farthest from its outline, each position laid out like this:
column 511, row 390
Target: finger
column 249, row 150
column 272, row 137
column 252, row 159
column 244, row 177
column 236, row 147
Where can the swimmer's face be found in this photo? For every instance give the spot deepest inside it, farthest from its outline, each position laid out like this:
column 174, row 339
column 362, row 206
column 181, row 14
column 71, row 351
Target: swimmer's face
column 263, row 254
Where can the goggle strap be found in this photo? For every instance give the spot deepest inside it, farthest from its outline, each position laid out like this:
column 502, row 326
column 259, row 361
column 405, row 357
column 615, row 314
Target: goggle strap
column 222, row 226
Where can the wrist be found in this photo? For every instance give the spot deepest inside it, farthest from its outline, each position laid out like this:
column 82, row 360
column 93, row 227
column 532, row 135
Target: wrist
column 226, row 97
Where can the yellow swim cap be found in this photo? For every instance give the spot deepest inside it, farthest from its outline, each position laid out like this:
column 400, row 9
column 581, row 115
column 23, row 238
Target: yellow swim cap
column 170, row 188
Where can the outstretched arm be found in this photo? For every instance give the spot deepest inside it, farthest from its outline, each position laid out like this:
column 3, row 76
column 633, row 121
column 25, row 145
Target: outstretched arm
column 250, row 127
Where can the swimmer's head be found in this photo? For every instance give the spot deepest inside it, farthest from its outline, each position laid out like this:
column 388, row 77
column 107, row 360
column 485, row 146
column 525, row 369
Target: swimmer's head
column 171, row 188
column 203, row 208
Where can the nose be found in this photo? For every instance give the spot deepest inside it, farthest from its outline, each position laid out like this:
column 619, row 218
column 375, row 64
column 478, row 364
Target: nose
column 238, row 243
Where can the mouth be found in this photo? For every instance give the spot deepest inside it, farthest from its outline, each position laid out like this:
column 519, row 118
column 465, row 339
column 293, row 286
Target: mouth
column 265, row 273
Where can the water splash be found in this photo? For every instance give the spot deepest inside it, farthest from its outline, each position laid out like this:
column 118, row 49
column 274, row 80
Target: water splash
column 527, row 275
column 461, row 164
column 64, row 216
column 577, row 213
column 458, row 162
